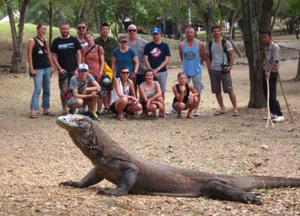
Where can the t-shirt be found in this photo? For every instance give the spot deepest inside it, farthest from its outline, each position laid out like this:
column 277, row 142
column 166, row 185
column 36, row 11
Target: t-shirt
column 66, row 50
column 75, row 83
column 218, row 55
column 108, row 45
column 139, row 49
column 124, row 59
column 272, row 54
column 91, row 58
column 157, row 53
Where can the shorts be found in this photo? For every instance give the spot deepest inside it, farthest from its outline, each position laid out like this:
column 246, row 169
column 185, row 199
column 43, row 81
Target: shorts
column 197, row 82
column 216, row 78
column 64, row 80
column 112, row 108
column 73, row 101
column 162, row 79
column 140, row 79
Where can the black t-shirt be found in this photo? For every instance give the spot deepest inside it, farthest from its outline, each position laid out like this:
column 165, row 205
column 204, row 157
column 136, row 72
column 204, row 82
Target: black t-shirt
column 40, row 55
column 157, row 54
column 66, row 50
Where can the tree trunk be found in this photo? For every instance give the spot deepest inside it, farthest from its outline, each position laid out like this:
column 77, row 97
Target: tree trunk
column 97, row 16
column 297, row 78
column 275, row 14
column 16, row 61
column 251, row 26
column 50, row 14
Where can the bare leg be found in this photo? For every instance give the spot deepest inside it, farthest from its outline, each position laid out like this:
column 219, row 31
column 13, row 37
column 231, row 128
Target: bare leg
column 233, row 101
column 218, row 190
column 91, row 178
column 63, row 103
column 220, row 101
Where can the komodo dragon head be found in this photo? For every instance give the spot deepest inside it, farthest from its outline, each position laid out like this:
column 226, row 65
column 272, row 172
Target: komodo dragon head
column 81, row 130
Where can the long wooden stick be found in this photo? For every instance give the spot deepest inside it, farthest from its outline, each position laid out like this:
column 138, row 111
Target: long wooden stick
column 287, row 105
column 268, row 105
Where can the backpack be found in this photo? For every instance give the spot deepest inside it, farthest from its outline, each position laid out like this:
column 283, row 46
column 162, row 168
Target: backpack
column 224, row 49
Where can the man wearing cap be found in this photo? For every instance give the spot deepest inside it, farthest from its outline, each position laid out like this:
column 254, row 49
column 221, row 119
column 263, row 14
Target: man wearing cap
column 192, row 55
column 83, row 89
column 157, row 55
column 137, row 44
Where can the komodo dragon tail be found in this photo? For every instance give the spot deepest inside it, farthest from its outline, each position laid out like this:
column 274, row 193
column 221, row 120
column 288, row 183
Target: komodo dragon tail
column 249, row 182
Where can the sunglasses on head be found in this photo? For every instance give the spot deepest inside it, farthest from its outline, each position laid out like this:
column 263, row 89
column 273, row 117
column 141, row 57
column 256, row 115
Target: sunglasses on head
column 81, row 27
column 132, row 30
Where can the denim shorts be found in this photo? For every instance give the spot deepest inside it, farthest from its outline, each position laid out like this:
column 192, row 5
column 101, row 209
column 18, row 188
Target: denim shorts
column 162, row 79
column 197, row 82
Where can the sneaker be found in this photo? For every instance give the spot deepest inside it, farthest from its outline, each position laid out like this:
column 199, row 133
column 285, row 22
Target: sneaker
column 94, row 116
column 279, row 119
column 171, row 112
column 196, row 113
column 273, row 116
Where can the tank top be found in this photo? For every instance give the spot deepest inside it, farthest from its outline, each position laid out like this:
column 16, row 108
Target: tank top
column 124, row 90
column 149, row 92
column 39, row 55
column 191, row 59
column 186, row 96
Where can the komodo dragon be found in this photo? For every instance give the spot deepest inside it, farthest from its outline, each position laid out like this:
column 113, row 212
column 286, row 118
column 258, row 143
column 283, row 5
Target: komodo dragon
column 137, row 176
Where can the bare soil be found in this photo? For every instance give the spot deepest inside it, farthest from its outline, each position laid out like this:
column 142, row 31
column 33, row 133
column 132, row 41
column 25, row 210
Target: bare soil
column 36, row 154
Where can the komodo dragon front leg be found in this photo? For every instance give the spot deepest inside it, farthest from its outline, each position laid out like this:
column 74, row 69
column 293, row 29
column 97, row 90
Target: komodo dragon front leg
column 218, row 190
column 127, row 175
column 91, row 178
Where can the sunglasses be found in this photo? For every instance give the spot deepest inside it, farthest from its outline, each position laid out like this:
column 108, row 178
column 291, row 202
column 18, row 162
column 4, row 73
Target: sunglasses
column 155, row 33
column 81, row 27
column 132, row 30
column 123, row 41
column 124, row 72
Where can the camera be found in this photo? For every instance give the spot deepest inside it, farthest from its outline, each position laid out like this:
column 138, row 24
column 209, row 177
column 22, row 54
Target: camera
column 224, row 67
column 63, row 75
column 101, row 93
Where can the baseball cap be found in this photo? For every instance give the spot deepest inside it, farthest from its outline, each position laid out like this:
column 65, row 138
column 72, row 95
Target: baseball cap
column 155, row 30
column 122, row 37
column 83, row 67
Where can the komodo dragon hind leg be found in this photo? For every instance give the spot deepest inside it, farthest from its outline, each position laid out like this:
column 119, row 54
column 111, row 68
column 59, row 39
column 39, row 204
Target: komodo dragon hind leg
column 90, row 179
column 129, row 173
column 218, row 190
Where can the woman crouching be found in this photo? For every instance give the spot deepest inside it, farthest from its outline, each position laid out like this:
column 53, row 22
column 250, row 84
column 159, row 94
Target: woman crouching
column 123, row 99
column 186, row 97
column 151, row 95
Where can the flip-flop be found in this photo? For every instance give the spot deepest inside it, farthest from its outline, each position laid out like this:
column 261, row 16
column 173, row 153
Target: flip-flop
column 33, row 116
column 48, row 114
column 217, row 113
column 235, row 114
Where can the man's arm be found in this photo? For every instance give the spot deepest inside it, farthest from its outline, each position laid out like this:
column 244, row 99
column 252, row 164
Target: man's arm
column 146, row 59
column 180, row 51
column 56, row 63
column 202, row 52
column 164, row 63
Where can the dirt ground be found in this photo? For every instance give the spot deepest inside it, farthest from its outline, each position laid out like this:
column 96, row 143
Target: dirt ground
column 36, row 154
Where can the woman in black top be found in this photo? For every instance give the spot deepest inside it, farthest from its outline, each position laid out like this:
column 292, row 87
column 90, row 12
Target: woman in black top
column 40, row 62
column 186, row 97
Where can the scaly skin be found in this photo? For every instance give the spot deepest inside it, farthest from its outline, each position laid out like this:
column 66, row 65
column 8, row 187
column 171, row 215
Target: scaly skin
column 134, row 175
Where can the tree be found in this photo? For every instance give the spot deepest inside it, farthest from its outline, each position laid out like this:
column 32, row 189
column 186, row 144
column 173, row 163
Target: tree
column 297, row 78
column 256, row 18
column 16, row 32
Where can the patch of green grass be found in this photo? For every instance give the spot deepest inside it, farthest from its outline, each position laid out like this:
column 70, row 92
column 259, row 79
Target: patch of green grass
column 29, row 31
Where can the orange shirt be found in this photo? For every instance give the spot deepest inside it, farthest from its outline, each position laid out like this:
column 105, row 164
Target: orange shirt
column 92, row 58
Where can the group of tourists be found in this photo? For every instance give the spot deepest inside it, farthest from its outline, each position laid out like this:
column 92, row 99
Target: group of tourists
column 129, row 75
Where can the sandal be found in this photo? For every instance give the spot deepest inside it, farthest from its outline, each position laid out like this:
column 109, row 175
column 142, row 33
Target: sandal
column 33, row 116
column 48, row 114
column 235, row 114
column 217, row 113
